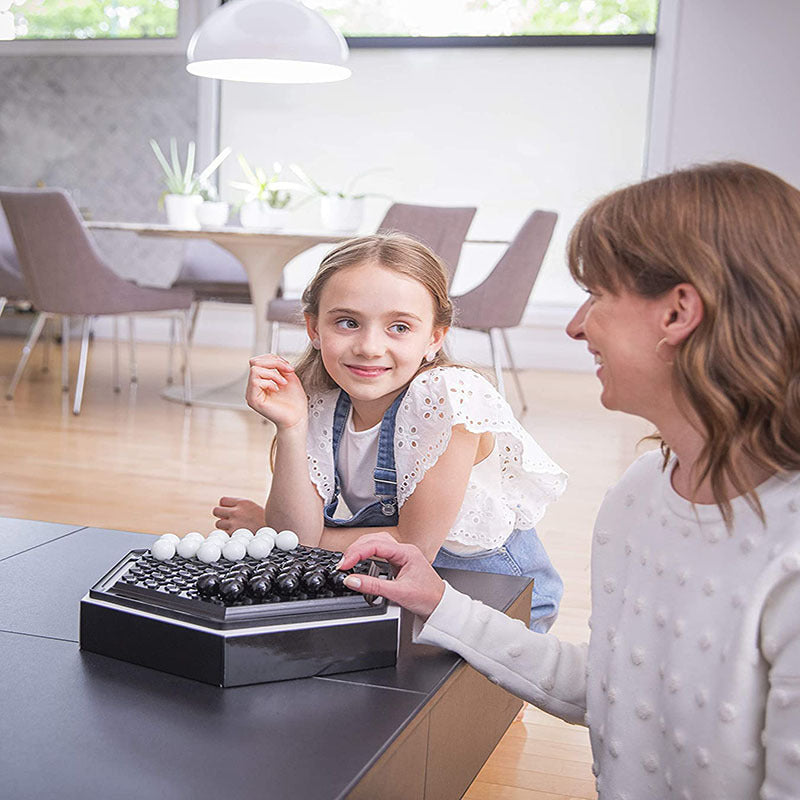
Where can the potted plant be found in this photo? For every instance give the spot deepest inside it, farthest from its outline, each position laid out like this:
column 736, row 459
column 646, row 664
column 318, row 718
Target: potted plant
column 340, row 210
column 182, row 194
column 212, row 212
column 267, row 197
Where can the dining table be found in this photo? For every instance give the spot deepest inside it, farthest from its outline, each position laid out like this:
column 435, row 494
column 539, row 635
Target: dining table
column 264, row 254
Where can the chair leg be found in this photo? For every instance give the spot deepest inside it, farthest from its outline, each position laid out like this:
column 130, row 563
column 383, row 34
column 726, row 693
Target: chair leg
column 65, row 352
column 30, row 343
column 132, row 348
column 3, row 303
column 115, row 355
column 45, row 350
column 186, row 326
column 274, row 337
column 514, row 371
column 81, row 379
column 498, row 367
column 171, row 352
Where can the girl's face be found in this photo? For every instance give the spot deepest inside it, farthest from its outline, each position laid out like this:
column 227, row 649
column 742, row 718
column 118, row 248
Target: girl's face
column 375, row 327
column 622, row 332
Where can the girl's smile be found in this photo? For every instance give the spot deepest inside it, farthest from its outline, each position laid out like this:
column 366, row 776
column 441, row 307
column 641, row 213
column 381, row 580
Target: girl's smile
column 375, row 327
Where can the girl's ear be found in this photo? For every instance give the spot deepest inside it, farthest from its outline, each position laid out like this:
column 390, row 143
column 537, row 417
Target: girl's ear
column 437, row 338
column 683, row 312
column 312, row 327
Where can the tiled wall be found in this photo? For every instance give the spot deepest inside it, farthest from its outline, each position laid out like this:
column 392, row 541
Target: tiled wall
column 83, row 123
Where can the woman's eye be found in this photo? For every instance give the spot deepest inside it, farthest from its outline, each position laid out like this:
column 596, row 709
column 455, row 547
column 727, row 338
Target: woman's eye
column 349, row 324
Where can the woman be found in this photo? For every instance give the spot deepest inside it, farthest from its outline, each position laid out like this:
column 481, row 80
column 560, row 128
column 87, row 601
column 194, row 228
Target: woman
column 690, row 683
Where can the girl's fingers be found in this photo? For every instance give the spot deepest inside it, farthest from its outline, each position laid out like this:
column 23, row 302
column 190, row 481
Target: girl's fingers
column 259, row 373
column 272, row 361
column 229, row 501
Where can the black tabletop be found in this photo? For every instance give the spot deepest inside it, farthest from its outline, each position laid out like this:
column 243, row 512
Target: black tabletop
column 78, row 725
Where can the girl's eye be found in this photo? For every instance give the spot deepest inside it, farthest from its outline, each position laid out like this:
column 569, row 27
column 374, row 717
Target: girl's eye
column 349, row 324
column 400, row 327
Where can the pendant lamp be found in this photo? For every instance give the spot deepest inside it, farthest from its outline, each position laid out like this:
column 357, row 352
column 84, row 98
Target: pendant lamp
column 267, row 41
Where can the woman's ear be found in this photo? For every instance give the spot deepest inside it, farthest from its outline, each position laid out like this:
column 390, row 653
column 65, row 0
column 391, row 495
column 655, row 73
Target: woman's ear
column 682, row 314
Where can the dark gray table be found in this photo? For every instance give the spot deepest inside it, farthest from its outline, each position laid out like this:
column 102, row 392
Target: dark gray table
column 80, row 725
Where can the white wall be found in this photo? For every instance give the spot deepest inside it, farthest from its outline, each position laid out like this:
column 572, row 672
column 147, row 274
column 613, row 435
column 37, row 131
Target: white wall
column 507, row 130
column 727, row 85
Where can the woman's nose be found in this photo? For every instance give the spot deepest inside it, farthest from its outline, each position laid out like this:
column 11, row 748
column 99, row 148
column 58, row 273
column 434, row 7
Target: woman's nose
column 575, row 325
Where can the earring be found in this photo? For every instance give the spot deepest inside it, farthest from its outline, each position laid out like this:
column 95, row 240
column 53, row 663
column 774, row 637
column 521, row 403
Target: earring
column 658, row 355
column 430, row 356
column 315, row 344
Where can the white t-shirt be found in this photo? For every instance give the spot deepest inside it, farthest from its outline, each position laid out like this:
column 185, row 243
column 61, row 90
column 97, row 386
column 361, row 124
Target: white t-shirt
column 508, row 490
column 690, row 684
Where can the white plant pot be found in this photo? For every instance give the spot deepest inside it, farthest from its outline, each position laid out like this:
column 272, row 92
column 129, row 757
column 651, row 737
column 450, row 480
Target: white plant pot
column 258, row 214
column 182, row 210
column 341, row 213
column 212, row 214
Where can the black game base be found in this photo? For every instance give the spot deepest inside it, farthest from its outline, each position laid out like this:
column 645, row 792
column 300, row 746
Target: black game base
column 265, row 628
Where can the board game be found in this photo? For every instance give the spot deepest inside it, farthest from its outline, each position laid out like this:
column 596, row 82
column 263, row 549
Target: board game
column 286, row 614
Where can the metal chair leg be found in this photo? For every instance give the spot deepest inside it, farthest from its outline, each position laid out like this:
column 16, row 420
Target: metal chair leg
column 30, row 343
column 45, row 349
column 274, row 337
column 498, row 368
column 115, row 355
column 187, row 371
column 132, row 348
column 514, row 371
column 81, row 379
column 65, row 352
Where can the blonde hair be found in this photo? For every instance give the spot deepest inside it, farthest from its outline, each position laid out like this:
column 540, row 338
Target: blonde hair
column 393, row 251
column 732, row 231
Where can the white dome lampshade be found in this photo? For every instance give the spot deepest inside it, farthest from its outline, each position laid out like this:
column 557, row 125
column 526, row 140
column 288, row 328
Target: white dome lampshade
column 267, row 41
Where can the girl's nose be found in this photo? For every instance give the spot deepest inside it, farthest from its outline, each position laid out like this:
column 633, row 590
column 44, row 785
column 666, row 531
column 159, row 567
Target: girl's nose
column 370, row 342
column 575, row 325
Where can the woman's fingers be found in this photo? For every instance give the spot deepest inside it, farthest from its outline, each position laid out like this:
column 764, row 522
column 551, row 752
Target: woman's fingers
column 417, row 587
column 382, row 545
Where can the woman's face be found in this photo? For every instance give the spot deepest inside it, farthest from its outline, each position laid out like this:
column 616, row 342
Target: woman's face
column 622, row 332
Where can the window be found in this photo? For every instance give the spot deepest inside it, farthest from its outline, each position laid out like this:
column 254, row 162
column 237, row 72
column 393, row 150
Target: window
column 31, row 20
column 488, row 18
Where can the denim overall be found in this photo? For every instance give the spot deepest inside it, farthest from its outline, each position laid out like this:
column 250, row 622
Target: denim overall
column 521, row 554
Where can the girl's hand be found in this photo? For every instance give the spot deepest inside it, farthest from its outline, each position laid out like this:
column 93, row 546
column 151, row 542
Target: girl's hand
column 416, row 587
column 275, row 391
column 237, row 512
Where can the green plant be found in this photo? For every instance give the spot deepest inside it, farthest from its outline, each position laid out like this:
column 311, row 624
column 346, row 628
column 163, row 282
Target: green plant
column 347, row 192
column 184, row 180
column 266, row 187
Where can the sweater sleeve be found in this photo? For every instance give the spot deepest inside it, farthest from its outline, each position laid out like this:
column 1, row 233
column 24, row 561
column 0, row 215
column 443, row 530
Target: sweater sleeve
column 780, row 645
column 537, row 667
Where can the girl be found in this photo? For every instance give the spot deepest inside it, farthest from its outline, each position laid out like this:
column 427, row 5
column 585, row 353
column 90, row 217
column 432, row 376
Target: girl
column 375, row 415
column 690, row 684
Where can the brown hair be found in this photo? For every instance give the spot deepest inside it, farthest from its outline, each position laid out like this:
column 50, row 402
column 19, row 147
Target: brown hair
column 394, row 251
column 732, row 231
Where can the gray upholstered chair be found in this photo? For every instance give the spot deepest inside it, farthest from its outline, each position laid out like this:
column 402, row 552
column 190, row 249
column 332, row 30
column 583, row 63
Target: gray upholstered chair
column 442, row 229
column 499, row 301
column 12, row 287
column 65, row 275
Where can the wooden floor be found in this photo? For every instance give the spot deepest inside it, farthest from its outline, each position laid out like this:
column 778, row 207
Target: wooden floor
column 133, row 461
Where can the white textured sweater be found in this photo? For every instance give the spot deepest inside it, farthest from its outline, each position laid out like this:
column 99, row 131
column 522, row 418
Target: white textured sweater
column 690, row 684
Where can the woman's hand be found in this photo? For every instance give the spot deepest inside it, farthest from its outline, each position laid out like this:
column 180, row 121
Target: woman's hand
column 416, row 587
column 275, row 391
column 237, row 512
